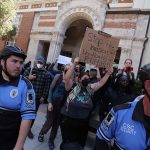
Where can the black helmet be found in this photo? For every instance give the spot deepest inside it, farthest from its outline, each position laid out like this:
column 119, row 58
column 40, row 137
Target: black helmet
column 144, row 73
column 12, row 50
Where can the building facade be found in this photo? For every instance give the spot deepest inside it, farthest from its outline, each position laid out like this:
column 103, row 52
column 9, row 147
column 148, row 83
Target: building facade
column 54, row 27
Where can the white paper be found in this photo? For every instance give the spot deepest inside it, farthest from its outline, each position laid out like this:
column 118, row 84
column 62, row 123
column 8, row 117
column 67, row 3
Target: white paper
column 64, row 60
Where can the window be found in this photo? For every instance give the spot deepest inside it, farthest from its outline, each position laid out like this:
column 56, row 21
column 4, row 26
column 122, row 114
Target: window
column 17, row 21
column 114, row 1
column 10, row 43
column 117, row 57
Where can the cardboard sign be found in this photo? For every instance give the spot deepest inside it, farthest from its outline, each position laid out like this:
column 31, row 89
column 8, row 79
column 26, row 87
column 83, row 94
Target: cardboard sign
column 98, row 48
column 64, row 60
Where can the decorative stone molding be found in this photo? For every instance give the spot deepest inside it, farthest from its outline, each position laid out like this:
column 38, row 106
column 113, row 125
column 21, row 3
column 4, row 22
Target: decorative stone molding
column 56, row 42
column 43, row 33
column 131, row 38
column 30, row 5
column 58, row 33
column 41, row 36
column 126, row 50
column 75, row 13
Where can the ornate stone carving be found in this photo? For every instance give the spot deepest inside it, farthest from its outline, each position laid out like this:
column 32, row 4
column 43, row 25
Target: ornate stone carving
column 81, row 12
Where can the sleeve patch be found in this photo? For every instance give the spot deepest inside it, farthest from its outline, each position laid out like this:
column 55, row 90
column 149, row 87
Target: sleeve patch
column 108, row 120
column 30, row 99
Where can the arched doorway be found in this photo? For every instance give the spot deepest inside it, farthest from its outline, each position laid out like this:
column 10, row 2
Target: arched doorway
column 73, row 37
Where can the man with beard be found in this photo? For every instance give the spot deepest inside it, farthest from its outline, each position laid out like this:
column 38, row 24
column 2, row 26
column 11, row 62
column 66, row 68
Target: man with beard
column 17, row 100
column 76, row 110
column 129, row 123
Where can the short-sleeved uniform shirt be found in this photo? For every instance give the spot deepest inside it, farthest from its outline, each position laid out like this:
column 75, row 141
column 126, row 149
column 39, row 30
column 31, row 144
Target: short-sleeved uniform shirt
column 18, row 95
column 126, row 124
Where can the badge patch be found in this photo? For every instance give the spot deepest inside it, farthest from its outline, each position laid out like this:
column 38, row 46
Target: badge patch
column 30, row 99
column 13, row 93
column 108, row 120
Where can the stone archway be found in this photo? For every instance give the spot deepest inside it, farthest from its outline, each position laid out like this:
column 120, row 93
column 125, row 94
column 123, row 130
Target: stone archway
column 64, row 19
column 73, row 37
column 73, row 14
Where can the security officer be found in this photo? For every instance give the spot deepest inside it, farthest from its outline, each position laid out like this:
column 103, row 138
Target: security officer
column 129, row 123
column 17, row 100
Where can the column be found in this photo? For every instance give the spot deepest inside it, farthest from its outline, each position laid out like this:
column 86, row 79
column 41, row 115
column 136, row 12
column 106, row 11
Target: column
column 32, row 50
column 137, row 48
column 55, row 47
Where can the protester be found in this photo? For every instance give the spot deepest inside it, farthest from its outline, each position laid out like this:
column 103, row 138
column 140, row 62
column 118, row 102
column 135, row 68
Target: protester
column 17, row 100
column 55, row 102
column 127, row 70
column 25, row 66
column 76, row 72
column 76, row 110
column 38, row 76
column 94, row 76
column 115, row 94
column 129, row 123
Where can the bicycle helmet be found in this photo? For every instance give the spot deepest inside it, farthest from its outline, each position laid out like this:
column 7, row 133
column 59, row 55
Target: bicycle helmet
column 144, row 73
column 12, row 50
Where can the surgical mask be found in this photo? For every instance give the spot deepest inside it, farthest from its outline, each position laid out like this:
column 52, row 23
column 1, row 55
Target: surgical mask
column 39, row 66
column 85, row 82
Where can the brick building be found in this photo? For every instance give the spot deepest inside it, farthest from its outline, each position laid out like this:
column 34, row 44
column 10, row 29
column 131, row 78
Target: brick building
column 53, row 27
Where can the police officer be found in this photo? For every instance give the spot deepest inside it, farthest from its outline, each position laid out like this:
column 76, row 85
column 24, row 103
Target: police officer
column 17, row 100
column 129, row 123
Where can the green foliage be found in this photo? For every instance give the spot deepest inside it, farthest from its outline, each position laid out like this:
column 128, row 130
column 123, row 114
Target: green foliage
column 10, row 34
column 7, row 14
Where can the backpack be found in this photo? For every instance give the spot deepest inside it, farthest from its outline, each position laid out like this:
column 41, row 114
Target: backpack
column 59, row 80
column 57, row 84
column 76, row 100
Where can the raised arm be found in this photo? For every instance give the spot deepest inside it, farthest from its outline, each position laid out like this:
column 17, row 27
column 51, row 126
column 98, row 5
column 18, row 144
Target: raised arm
column 96, row 86
column 98, row 73
column 68, row 75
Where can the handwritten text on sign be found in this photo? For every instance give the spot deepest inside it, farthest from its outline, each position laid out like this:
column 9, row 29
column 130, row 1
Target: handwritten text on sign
column 98, row 48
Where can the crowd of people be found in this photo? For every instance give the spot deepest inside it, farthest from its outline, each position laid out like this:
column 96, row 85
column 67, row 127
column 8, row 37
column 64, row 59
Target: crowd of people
column 72, row 93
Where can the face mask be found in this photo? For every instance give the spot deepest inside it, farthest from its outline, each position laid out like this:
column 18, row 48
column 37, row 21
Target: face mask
column 76, row 69
column 85, row 82
column 65, row 71
column 62, row 69
column 39, row 66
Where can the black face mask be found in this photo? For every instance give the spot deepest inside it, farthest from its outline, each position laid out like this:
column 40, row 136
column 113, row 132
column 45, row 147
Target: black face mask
column 85, row 82
column 62, row 69
column 65, row 71
column 76, row 70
